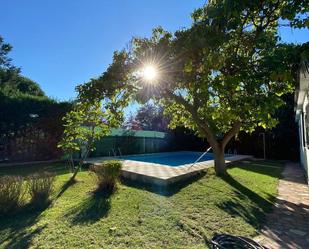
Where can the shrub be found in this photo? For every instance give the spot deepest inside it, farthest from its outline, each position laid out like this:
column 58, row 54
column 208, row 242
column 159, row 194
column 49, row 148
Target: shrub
column 11, row 193
column 107, row 174
column 40, row 187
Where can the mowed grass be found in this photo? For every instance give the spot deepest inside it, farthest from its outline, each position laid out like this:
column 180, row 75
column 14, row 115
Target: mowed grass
column 139, row 216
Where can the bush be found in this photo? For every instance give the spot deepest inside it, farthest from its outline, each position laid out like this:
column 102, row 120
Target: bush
column 40, row 188
column 11, row 193
column 107, row 174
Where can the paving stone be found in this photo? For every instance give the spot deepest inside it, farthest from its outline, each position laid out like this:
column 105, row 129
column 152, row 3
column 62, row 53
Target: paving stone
column 288, row 224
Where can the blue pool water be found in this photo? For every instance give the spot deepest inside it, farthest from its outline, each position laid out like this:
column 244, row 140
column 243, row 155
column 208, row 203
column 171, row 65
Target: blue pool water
column 172, row 159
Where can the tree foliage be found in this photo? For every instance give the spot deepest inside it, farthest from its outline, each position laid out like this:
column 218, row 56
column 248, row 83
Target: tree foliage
column 131, row 123
column 83, row 125
column 5, row 61
column 90, row 119
column 223, row 74
column 14, row 84
column 148, row 117
column 151, row 117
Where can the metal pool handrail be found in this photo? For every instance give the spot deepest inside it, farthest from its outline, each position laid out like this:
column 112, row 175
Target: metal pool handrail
column 199, row 158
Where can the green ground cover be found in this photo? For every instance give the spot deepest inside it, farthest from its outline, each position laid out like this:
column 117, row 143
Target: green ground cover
column 140, row 216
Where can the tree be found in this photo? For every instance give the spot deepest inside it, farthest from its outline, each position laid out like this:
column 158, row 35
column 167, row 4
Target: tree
column 150, row 117
column 131, row 123
column 90, row 119
column 98, row 108
column 224, row 74
column 11, row 82
column 83, row 125
column 5, row 61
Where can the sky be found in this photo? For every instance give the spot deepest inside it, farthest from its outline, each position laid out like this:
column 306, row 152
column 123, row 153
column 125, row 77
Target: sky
column 60, row 44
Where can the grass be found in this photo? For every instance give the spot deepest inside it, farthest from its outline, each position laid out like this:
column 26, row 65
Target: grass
column 140, row 216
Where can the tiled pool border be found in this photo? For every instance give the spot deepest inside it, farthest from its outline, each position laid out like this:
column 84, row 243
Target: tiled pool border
column 159, row 174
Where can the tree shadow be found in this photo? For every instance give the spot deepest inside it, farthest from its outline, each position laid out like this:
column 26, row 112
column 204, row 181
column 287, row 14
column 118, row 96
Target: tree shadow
column 293, row 173
column 65, row 186
column 286, row 223
column 57, row 168
column 164, row 190
column 14, row 227
column 24, row 238
column 254, row 211
column 92, row 209
column 280, row 220
column 264, row 168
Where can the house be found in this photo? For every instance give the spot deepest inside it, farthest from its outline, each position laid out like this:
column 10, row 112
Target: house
column 302, row 116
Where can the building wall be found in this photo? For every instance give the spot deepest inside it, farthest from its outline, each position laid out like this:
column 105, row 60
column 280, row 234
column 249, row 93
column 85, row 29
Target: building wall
column 304, row 151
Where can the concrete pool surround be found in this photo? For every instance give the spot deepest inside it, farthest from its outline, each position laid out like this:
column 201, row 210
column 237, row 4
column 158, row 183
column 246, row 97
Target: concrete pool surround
column 160, row 174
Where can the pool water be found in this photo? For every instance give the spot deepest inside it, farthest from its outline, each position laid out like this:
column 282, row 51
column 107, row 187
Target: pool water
column 172, row 159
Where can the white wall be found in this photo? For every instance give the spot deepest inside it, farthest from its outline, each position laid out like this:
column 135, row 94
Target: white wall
column 304, row 151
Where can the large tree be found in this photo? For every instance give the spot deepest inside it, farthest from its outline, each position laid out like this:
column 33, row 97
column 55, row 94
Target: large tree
column 224, row 74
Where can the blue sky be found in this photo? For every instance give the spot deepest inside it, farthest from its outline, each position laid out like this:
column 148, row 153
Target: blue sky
column 61, row 44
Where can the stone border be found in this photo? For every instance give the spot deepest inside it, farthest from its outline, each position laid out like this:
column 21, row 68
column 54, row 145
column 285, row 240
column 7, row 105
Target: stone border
column 163, row 175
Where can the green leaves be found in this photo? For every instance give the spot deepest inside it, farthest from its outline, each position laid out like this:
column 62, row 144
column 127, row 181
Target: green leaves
column 227, row 68
column 83, row 125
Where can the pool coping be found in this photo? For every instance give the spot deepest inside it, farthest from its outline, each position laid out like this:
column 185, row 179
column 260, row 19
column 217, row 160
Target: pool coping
column 160, row 174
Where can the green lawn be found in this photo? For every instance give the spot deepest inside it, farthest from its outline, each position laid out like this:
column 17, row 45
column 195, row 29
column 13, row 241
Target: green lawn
column 143, row 217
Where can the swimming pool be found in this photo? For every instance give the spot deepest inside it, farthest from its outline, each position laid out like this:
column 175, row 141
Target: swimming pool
column 165, row 168
column 172, row 159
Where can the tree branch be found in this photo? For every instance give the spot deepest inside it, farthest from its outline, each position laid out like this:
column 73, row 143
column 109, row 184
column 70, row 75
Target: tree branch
column 202, row 125
column 231, row 133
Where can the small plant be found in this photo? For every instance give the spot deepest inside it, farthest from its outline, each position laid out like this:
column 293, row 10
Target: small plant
column 40, row 187
column 11, row 193
column 107, row 174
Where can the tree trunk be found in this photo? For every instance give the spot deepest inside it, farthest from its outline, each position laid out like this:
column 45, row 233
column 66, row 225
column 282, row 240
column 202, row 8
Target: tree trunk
column 79, row 167
column 220, row 166
column 81, row 162
column 75, row 173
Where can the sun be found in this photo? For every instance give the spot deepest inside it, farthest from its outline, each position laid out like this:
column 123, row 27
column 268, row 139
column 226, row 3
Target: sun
column 150, row 73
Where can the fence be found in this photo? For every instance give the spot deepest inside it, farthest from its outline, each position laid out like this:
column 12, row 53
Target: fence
column 131, row 142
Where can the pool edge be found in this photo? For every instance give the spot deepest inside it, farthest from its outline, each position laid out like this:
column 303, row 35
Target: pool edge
column 163, row 175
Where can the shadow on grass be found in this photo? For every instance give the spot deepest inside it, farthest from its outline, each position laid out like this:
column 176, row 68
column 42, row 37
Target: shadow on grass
column 264, row 168
column 164, row 190
column 59, row 168
column 289, row 214
column 92, row 209
column 25, row 170
column 65, row 186
column 15, row 228
column 252, row 211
